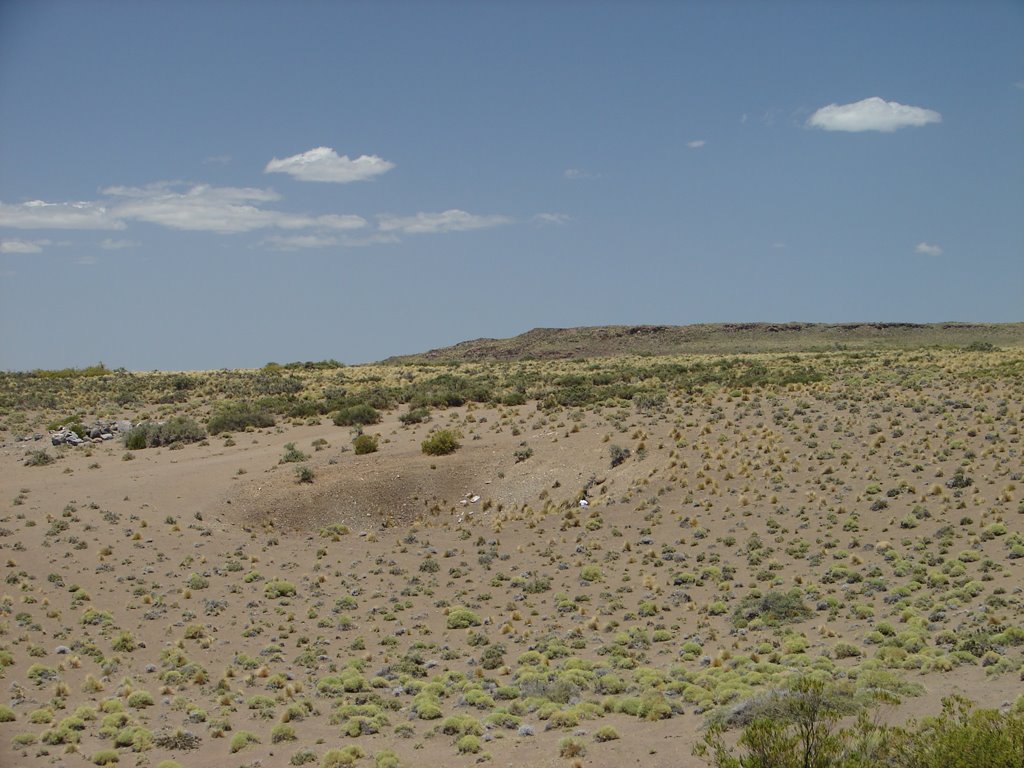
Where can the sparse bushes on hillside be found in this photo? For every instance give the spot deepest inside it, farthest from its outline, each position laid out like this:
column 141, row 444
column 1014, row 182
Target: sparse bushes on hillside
column 441, row 443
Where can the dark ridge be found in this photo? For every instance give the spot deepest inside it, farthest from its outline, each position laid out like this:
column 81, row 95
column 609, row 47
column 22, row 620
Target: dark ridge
column 720, row 338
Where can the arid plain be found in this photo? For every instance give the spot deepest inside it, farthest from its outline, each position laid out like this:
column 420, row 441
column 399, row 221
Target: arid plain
column 618, row 549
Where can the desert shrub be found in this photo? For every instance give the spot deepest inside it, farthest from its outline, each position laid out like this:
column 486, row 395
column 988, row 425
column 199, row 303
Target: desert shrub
column 236, row 417
column 241, row 740
column 282, row 732
column 339, row 758
column 148, row 434
column 617, row 455
column 386, row 759
column 105, row 757
column 522, row 454
column 414, row 416
column 571, row 746
column 304, row 474
column 364, row 444
column 468, row 745
column 359, row 414
column 461, row 618
column 963, row 736
column 773, row 608
column 441, row 443
column 293, row 455
column 279, row 588
column 38, row 459
column 606, row 733
column 7, row 714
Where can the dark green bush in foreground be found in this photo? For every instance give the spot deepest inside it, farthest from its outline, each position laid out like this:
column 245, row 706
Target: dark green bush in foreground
column 796, row 727
column 149, row 434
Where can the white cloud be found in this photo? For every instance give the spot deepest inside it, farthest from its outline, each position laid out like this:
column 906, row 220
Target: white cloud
column 696, row 143
column 227, row 210
column 324, row 164
column 452, row 220
column 22, row 246
column 553, row 218
column 578, row 173
column 928, row 249
column 873, row 114
column 109, row 244
column 38, row 214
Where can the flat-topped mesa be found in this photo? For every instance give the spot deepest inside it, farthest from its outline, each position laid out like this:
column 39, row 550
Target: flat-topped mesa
column 720, row 338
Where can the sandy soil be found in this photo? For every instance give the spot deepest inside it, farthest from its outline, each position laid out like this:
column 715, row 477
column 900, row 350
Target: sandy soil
column 719, row 496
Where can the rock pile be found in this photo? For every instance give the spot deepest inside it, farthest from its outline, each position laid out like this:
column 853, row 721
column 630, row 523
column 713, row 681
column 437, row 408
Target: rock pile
column 96, row 433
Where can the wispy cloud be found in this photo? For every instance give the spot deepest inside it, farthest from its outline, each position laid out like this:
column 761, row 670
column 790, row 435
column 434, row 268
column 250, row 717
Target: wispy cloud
column 576, row 174
column 452, row 220
column 928, row 249
column 86, row 261
column 22, row 246
column 552, row 218
column 873, row 114
column 110, row 244
column 696, row 143
column 226, row 210
column 324, row 164
column 321, row 240
column 37, row 214
column 217, row 160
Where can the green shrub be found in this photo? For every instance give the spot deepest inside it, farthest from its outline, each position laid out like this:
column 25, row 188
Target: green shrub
column 340, row 758
column 414, row 416
column 461, row 618
column 148, row 434
column 105, row 757
column 359, row 414
column 468, row 745
column 279, row 588
column 441, row 443
column 7, row 714
column 241, row 740
column 364, row 444
column 292, row 455
column 304, row 474
column 236, row 417
column 773, row 609
column 606, row 733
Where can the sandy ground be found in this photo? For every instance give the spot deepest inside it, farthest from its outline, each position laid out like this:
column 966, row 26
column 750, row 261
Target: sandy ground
column 719, row 496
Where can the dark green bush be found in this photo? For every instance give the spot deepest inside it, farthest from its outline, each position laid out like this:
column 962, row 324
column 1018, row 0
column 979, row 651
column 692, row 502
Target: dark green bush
column 236, row 417
column 773, row 608
column 414, row 416
column 359, row 414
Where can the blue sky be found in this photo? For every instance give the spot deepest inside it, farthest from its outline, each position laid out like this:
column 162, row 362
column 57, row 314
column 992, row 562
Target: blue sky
column 202, row 185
